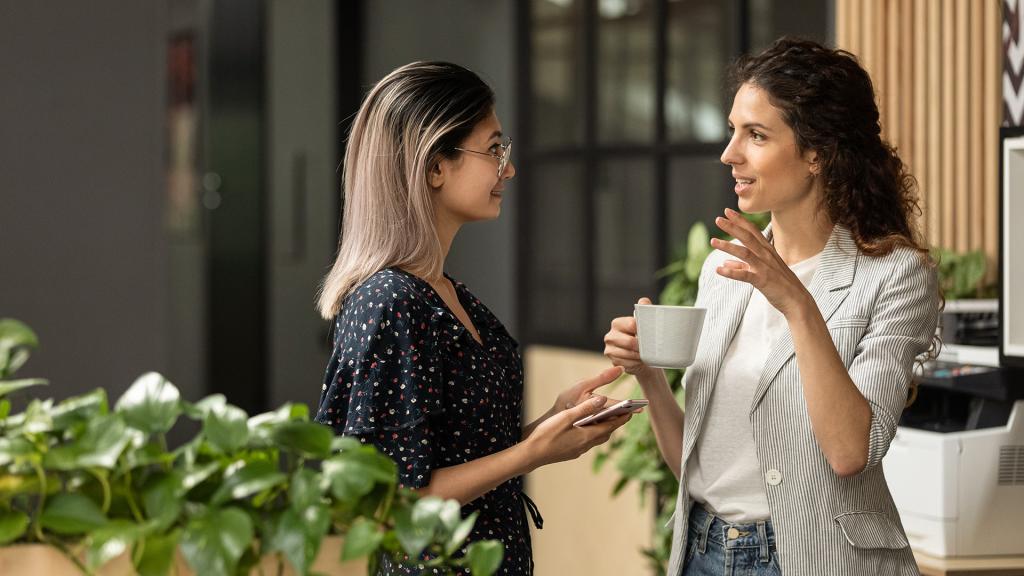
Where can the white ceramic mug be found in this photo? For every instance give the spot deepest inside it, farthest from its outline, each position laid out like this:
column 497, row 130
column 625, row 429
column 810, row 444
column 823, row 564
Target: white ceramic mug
column 668, row 334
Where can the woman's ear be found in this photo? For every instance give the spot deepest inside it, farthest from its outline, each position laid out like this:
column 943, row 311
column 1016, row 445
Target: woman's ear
column 436, row 174
column 813, row 164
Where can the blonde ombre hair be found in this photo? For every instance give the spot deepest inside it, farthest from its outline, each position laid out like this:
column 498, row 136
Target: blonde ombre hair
column 412, row 118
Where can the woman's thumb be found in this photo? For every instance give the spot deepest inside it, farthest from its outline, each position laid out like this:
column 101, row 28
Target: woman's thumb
column 644, row 300
column 584, row 409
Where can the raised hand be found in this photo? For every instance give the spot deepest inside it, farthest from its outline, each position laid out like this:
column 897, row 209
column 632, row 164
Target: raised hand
column 758, row 264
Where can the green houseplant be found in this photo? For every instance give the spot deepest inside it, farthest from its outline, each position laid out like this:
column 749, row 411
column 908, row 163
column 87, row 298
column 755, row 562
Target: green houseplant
column 962, row 274
column 635, row 452
column 96, row 482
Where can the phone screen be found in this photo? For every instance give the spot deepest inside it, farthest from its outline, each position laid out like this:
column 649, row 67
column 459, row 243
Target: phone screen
column 612, row 411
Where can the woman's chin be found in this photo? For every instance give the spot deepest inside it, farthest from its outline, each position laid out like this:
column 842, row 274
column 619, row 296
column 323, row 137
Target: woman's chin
column 748, row 206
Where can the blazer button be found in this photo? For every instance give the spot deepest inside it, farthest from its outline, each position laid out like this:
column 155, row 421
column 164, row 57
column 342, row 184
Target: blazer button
column 773, row 477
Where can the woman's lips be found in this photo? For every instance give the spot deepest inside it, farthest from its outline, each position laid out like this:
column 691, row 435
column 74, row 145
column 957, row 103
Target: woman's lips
column 743, row 184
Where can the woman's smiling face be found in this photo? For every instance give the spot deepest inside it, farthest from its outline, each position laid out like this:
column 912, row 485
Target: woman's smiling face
column 771, row 172
column 467, row 187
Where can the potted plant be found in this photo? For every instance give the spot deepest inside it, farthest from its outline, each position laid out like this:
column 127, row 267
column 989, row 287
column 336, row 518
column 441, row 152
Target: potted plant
column 97, row 483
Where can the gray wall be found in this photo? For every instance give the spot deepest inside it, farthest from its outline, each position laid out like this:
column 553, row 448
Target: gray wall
column 81, row 254
column 481, row 37
column 302, row 192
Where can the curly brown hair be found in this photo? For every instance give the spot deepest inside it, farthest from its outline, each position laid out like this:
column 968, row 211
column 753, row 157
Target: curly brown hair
column 828, row 100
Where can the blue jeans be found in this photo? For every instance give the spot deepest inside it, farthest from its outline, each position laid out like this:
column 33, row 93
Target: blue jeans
column 715, row 547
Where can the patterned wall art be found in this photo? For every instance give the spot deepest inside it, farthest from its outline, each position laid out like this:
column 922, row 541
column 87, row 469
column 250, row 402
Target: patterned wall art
column 1013, row 63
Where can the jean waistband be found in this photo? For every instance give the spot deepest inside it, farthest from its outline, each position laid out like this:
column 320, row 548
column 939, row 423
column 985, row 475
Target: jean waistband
column 711, row 528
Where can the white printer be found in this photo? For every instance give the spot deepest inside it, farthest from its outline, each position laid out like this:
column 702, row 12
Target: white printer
column 956, row 465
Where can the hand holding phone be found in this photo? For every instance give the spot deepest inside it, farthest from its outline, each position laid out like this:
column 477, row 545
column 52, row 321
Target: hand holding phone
column 612, row 411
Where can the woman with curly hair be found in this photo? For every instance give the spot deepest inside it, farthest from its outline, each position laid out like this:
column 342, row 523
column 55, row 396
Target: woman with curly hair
column 813, row 326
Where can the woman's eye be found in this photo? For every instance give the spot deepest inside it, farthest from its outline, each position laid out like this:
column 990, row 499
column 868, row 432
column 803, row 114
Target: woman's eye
column 756, row 136
column 494, row 148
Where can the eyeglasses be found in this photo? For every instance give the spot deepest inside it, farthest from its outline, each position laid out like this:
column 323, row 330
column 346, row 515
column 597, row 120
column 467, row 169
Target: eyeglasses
column 501, row 157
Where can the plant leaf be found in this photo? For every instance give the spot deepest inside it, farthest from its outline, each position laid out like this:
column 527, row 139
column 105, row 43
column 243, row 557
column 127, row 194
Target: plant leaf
column 362, row 539
column 213, row 541
column 299, row 534
column 110, row 541
column 100, row 446
column 151, row 404
column 15, row 339
column 12, row 525
column 309, row 438
column 34, row 420
column 14, row 450
column 71, row 513
column 196, row 476
column 158, row 554
column 450, row 514
column 8, row 386
column 460, row 534
column 426, row 513
column 79, row 409
column 305, row 489
column 247, row 480
column 354, row 472
column 225, row 427
column 412, row 538
column 161, row 498
column 485, row 557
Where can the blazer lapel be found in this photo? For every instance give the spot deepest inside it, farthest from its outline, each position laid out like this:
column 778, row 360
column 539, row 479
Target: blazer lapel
column 830, row 286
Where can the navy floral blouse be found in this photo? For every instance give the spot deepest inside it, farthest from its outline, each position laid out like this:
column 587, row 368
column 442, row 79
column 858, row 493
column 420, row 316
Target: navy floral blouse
column 409, row 378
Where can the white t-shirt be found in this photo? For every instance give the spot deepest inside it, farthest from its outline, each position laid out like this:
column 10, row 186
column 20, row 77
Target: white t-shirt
column 723, row 471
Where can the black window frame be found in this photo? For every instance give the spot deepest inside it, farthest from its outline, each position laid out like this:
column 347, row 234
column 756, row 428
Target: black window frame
column 662, row 151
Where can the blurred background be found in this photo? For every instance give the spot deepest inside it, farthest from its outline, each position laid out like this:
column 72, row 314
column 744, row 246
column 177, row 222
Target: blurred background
column 169, row 177
column 170, row 168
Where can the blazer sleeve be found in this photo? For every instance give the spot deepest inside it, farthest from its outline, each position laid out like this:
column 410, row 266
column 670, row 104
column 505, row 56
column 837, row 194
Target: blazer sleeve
column 901, row 328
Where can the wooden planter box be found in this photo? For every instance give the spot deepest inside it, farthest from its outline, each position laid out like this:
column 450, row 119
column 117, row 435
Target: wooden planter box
column 42, row 559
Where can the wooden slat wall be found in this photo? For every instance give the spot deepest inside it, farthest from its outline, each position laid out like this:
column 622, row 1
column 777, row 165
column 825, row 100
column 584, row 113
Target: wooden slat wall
column 936, row 65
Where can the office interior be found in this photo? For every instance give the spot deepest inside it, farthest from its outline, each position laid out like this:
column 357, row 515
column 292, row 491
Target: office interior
column 170, row 176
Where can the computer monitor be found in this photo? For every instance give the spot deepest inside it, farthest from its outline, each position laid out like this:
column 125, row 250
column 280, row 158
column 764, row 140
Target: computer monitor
column 1011, row 247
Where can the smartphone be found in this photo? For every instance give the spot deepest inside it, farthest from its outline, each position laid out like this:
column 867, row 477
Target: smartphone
column 612, row 411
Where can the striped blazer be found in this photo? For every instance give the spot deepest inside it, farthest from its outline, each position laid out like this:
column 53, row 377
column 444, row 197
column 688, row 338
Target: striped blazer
column 881, row 313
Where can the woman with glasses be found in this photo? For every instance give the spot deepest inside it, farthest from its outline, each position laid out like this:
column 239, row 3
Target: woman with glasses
column 421, row 368
column 813, row 326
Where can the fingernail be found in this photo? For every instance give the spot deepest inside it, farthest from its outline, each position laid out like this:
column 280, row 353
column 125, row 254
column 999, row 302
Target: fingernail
column 597, row 401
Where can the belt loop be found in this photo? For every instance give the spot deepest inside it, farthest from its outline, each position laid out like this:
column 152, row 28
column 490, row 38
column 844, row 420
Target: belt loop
column 708, row 519
column 762, row 536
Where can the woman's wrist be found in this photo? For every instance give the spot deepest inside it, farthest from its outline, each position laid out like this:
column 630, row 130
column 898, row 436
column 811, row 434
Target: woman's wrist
column 525, row 456
column 649, row 377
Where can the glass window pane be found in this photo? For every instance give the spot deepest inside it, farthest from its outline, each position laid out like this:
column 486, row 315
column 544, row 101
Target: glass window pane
column 557, row 286
column 625, row 71
column 699, row 189
column 556, row 73
column 701, row 42
column 770, row 19
column 625, row 250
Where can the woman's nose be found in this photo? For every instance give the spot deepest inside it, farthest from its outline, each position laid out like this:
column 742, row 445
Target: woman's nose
column 510, row 171
column 730, row 155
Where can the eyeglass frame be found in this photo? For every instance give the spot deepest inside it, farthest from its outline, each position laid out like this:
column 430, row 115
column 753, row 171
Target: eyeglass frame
column 502, row 158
